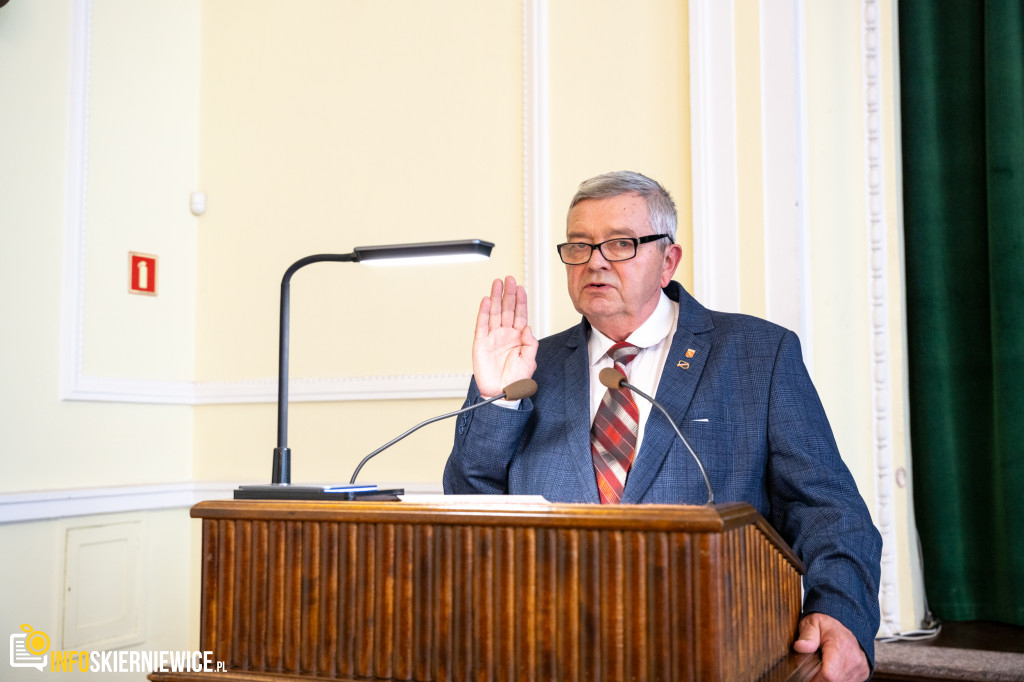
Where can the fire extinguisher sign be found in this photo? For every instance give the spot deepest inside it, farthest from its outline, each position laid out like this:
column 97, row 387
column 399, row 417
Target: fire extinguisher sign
column 141, row 273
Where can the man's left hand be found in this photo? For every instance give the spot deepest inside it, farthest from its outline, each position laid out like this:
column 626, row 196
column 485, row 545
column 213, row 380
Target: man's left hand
column 841, row 655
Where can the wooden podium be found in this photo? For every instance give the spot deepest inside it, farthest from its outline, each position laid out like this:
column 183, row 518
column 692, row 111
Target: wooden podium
column 498, row 591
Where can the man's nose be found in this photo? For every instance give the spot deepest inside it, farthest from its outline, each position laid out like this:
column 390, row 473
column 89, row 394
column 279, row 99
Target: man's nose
column 598, row 261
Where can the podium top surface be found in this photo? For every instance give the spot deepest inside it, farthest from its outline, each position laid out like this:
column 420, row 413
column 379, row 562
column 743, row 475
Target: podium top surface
column 693, row 519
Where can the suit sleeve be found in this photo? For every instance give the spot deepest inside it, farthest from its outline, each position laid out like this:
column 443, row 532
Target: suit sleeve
column 815, row 503
column 485, row 441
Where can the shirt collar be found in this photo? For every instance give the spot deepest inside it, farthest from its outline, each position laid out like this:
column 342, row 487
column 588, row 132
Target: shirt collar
column 652, row 332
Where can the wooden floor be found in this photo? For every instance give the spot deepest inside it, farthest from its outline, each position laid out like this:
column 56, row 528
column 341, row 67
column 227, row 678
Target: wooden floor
column 971, row 651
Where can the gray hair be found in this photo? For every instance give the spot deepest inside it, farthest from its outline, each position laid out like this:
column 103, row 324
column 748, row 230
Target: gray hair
column 661, row 210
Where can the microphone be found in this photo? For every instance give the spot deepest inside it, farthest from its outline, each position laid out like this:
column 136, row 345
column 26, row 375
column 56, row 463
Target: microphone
column 612, row 378
column 517, row 390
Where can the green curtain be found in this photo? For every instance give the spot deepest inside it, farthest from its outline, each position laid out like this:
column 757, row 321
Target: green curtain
column 962, row 100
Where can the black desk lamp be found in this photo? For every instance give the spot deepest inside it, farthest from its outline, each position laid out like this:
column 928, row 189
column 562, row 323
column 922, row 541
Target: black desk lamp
column 281, row 486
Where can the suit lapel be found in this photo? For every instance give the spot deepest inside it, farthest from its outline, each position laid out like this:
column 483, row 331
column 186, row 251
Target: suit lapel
column 676, row 388
column 577, row 411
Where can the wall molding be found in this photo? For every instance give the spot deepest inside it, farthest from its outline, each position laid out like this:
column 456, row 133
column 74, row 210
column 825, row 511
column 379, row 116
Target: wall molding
column 536, row 164
column 877, row 233
column 61, row 504
column 784, row 157
column 77, row 385
column 716, row 277
column 390, row 387
column 73, row 301
column 316, row 389
column 785, row 163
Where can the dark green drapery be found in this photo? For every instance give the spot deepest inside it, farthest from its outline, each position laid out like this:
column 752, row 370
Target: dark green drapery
column 962, row 91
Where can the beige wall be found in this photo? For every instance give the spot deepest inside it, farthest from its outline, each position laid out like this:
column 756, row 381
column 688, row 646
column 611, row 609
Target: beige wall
column 350, row 125
column 750, row 165
column 132, row 177
column 616, row 108
column 142, row 156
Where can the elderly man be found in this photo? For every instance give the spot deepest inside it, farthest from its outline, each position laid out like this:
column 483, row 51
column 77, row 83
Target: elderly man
column 736, row 385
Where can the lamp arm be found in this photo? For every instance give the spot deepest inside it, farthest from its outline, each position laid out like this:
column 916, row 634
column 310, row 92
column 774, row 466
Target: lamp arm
column 282, row 472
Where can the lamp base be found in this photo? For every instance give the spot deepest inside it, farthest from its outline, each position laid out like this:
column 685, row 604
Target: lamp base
column 281, row 491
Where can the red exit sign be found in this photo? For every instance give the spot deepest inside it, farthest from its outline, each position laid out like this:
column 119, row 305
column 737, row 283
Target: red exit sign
column 141, row 273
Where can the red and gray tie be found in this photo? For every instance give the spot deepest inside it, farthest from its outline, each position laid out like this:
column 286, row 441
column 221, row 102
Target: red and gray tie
column 613, row 436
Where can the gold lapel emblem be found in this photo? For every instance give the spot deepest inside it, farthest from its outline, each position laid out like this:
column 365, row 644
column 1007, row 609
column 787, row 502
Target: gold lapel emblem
column 690, row 352
column 684, row 364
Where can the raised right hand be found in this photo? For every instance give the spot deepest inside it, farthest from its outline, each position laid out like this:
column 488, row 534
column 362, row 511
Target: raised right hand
column 504, row 349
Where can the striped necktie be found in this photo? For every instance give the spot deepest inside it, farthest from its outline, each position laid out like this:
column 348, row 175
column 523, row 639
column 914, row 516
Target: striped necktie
column 613, row 435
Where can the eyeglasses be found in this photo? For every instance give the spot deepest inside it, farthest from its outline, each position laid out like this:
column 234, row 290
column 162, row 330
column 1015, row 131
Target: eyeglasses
column 613, row 250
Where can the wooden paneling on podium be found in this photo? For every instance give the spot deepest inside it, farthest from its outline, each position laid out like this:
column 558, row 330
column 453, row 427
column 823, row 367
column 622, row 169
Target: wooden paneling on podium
column 404, row 591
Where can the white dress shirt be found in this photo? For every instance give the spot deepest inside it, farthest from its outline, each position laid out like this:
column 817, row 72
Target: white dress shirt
column 654, row 338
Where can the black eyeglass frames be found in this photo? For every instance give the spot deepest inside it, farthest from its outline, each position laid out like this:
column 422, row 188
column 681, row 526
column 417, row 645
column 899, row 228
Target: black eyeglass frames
column 613, row 250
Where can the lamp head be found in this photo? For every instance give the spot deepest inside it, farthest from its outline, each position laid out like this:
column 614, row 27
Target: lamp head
column 462, row 250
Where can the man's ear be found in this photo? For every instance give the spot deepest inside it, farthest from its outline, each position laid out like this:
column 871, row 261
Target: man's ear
column 673, row 254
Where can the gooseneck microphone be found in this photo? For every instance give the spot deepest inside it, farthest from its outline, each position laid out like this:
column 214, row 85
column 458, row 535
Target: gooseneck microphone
column 517, row 390
column 612, row 378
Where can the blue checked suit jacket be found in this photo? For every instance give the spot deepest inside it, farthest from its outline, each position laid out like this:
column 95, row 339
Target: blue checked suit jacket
column 747, row 406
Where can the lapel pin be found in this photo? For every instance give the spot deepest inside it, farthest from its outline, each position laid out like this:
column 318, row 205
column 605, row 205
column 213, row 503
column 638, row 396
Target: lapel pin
column 684, row 364
column 690, row 352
